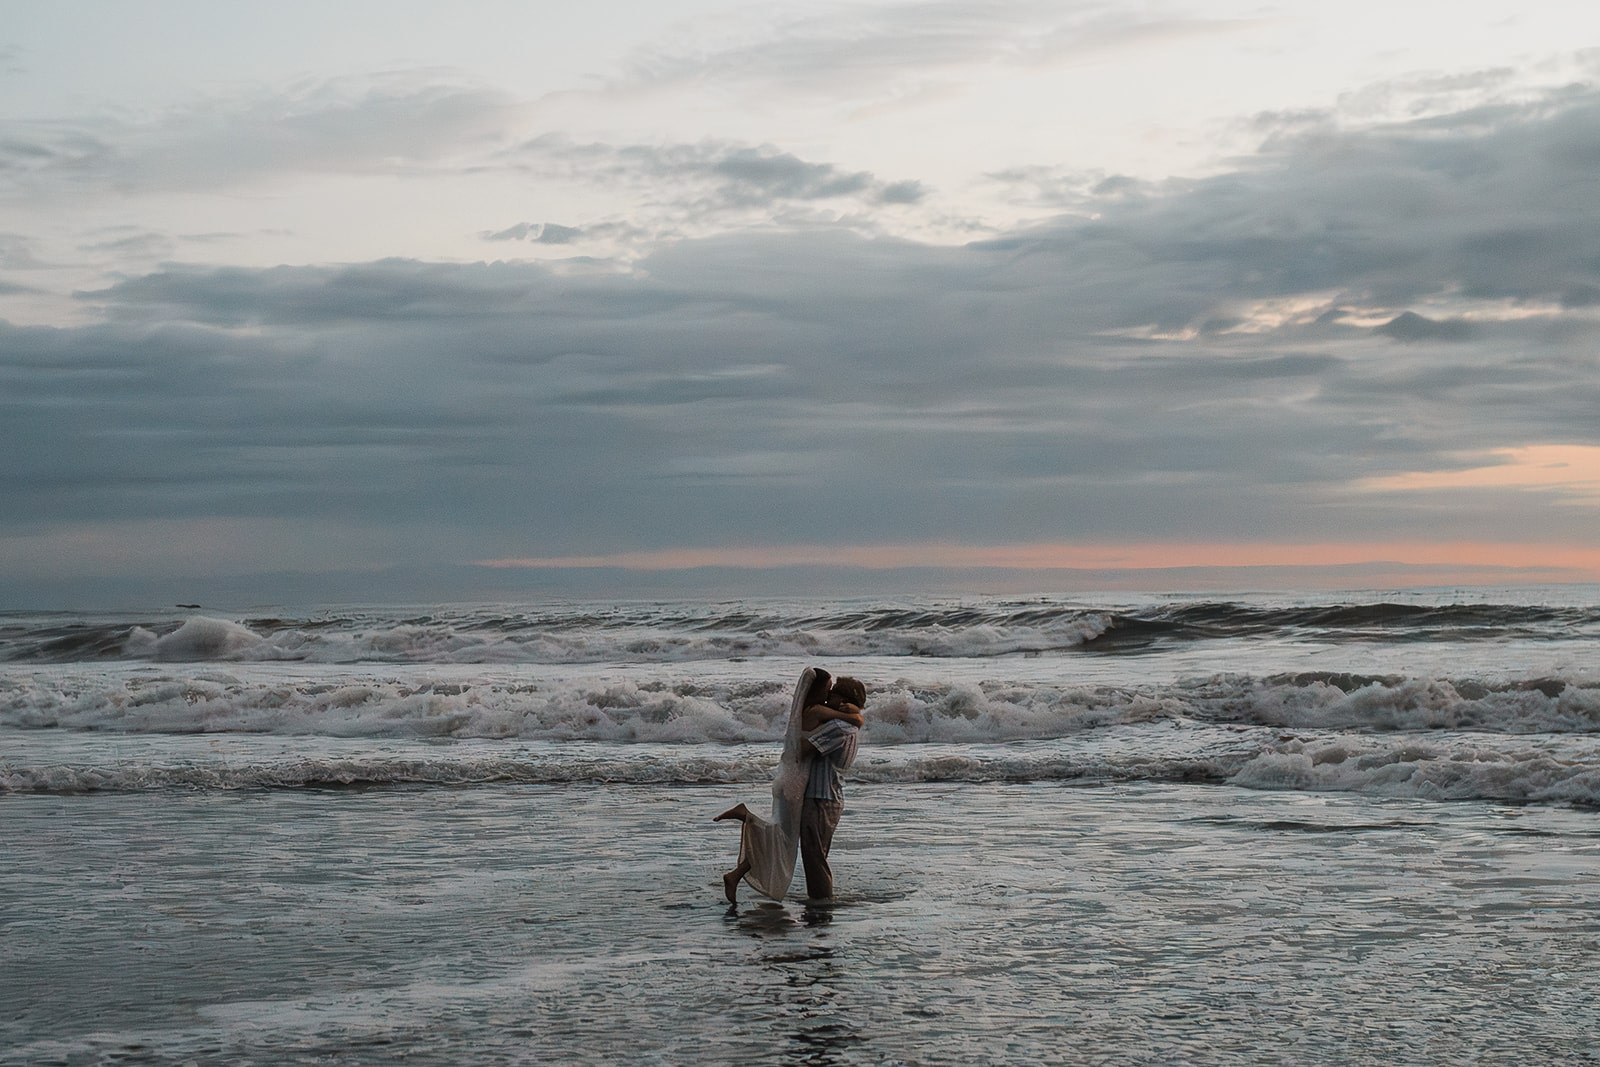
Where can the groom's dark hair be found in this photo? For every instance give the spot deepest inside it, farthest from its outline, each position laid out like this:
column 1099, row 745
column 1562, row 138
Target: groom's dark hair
column 850, row 691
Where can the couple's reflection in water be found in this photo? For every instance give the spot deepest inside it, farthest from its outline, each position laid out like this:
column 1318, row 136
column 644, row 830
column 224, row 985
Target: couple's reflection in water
column 813, row 999
column 768, row 917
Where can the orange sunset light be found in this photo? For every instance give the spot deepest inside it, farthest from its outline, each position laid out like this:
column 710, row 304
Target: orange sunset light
column 1570, row 469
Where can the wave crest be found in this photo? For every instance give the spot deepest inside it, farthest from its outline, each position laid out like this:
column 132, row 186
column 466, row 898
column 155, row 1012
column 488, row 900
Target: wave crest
column 732, row 712
column 1445, row 769
column 1433, row 768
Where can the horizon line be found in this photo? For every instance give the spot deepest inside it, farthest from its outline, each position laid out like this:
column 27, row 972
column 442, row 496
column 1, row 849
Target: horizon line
column 1581, row 561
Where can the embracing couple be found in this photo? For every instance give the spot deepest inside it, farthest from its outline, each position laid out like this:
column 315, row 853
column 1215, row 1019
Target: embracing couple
column 807, row 792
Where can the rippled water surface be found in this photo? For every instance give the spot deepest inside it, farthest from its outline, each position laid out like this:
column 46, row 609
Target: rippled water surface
column 979, row 922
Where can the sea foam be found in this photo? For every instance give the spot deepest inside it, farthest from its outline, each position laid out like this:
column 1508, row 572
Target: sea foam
column 1433, row 768
column 1441, row 768
column 701, row 708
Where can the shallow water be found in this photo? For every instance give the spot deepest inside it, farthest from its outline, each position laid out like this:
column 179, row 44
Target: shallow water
column 1124, row 923
column 1278, row 828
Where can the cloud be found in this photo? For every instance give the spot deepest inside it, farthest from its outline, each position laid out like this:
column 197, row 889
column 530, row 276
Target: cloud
column 406, row 123
column 396, row 123
column 16, row 253
column 30, row 149
column 712, row 176
column 1461, row 210
column 1408, row 326
column 138, row 245
column 849, row 53
column 219, row 236
column 1195, row 362
column 1570, row 471
column 544, row 233
column 384, row 291
column 764, row 175
column 902, row 192
column 1417, row 96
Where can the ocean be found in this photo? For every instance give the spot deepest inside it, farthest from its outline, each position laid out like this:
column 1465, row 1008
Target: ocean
column 1243, row 828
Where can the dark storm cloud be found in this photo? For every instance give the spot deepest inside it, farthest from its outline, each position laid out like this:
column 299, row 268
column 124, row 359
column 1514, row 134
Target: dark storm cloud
column 1202, row 360
column 1491, row 204
column 185, row 421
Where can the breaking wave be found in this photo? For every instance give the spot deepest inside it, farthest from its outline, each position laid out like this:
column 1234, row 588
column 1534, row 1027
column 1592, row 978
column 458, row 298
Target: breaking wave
column 687, row 711
column 665, row 633
column 1436, row 700
column 1440, row 767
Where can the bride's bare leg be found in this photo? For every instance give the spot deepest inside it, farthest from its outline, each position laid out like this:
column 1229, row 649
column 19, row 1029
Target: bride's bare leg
column 738, row 811
column 730, row 881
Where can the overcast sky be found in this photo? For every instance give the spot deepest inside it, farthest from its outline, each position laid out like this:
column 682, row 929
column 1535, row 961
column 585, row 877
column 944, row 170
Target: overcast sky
column 413, row 299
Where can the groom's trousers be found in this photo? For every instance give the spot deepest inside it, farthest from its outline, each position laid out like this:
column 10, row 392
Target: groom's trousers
column 818, row 819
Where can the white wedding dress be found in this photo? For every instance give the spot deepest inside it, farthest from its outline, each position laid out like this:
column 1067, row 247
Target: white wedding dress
column 771, row 845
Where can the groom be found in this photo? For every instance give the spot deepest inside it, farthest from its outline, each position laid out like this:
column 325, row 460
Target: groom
column 830, row 733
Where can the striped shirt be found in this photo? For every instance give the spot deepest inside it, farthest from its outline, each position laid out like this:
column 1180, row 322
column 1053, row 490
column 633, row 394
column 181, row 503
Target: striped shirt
column 835, row 745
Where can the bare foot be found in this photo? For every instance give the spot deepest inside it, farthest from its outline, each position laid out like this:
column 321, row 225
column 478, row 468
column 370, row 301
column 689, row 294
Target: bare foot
column 739, row 812
column 730, row 886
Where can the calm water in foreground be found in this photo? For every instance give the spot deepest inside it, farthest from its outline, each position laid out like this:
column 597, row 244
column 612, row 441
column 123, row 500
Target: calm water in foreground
column 1121, row 923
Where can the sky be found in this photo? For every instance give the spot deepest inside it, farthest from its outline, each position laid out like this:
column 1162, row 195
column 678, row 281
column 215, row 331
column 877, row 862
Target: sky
column 407, row 300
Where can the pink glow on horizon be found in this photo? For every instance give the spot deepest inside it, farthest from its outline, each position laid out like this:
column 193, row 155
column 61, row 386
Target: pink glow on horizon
column 1573, row 470
column 1577, row 562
